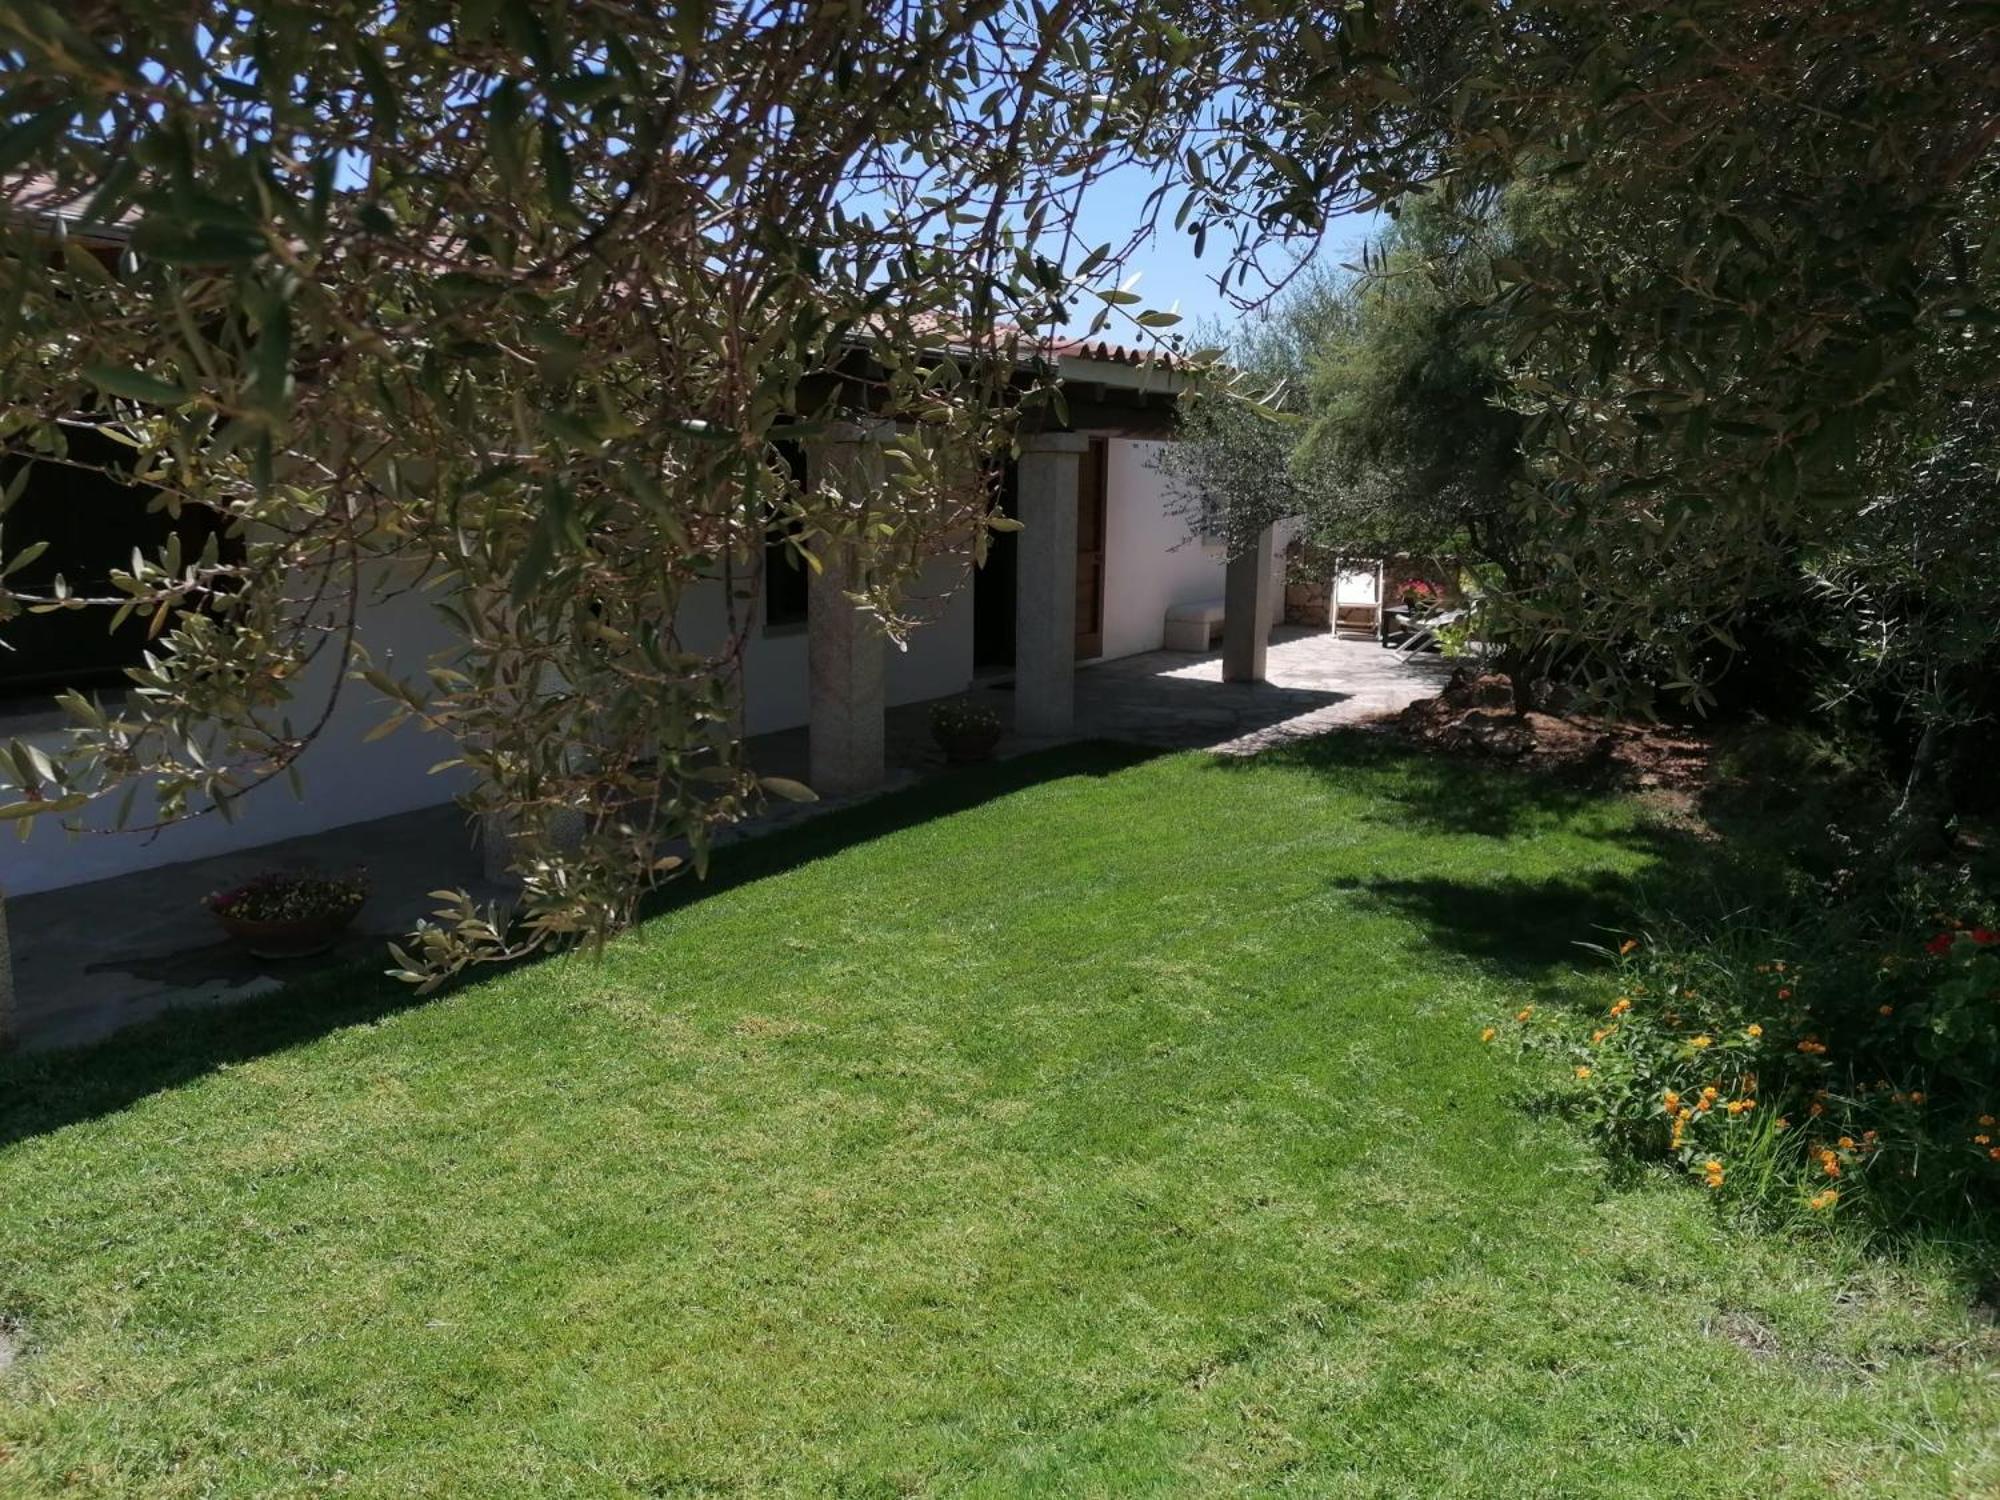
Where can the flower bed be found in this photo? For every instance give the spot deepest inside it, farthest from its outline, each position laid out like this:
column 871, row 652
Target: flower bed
column 1791, row 1068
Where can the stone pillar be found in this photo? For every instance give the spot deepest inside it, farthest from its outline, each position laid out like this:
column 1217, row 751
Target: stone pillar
column 844, row 644
column 1247, row 586
column 1045, row 585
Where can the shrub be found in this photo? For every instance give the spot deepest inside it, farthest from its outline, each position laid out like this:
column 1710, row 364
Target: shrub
column 1820, row 1066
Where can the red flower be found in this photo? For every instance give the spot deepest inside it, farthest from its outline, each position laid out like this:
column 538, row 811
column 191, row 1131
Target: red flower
column 1982, row 937
column 1939, row 944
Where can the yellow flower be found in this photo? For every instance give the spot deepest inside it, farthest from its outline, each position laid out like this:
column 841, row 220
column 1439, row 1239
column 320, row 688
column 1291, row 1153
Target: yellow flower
column 1826, row 1199
column 1753, row 1030
column 1847, row 1143
column 1988, row 1120
column 1486, row 1035
column 1623, row 1004
column 1829, row 1163
column 1784, row 1122
column 1698, row 1043
column 1583, row 1072
column 1712, row 1172
column 1982, row 1140
column 1524, row 1012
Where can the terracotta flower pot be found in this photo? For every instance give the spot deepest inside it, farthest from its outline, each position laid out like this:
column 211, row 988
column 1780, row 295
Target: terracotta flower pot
column 289, row 914
column 964, row 746
column 301, row 937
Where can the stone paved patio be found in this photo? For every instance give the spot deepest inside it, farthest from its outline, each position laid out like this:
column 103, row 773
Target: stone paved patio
column 92, row 959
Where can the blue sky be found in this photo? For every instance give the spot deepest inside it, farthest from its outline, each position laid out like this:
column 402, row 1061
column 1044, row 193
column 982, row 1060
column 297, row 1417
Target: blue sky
column 1170, row 271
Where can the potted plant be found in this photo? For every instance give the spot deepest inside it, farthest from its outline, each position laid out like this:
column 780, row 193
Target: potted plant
column 1418, row 595
column 289, row 913
column 965, row 731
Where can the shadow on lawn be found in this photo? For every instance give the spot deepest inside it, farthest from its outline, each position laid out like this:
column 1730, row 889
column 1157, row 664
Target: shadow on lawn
column 42, row 1092
column 1522, row 928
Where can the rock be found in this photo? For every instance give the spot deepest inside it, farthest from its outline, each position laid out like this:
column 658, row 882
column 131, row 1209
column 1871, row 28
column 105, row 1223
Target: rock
column 1502, row 736
column 1550, row 696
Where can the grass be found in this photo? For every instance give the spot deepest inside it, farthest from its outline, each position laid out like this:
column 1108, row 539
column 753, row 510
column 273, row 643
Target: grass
column 1087, row 1125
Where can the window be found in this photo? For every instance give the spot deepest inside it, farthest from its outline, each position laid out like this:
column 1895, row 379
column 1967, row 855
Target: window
column 91, row 522
column 786, row 582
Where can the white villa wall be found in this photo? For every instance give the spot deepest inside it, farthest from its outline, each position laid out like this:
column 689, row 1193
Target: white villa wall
column 1151, row 563
column 935, row 662
column 347, row 779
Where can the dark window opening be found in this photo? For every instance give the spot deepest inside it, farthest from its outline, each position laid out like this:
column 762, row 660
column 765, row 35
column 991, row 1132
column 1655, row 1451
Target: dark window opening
column 786, row 582
column 993, row 584
column 91, row 521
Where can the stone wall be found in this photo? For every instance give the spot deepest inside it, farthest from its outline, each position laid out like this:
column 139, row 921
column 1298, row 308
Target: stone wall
column 1309, row 604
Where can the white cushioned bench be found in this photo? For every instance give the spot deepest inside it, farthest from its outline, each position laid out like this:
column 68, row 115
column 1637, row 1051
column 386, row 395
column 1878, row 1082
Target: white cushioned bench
column 1192, row 627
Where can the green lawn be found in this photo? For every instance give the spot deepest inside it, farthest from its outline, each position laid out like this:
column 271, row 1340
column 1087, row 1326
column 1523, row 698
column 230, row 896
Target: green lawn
column 1079, row 1126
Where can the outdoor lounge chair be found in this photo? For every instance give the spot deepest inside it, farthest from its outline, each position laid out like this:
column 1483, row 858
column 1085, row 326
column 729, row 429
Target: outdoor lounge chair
column 1426, row 633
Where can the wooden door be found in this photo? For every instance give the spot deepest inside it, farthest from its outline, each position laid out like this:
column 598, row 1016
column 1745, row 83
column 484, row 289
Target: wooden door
column 1090, row 489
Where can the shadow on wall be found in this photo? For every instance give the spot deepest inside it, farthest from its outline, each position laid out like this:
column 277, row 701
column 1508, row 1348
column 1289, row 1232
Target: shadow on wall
column 46, row 1091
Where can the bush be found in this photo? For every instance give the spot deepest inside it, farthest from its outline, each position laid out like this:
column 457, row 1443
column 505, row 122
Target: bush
column 1824, row 1066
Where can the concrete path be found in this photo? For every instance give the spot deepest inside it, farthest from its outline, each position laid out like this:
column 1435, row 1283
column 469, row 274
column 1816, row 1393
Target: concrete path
column 92, row 959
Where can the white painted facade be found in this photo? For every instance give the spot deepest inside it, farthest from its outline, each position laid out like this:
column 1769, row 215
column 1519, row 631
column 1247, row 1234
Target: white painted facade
column 1151, row 564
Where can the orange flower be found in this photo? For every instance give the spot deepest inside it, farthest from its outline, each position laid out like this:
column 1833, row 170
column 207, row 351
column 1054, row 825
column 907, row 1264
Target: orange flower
column 1847, row 1143
column 1753, row 1030
column 1627, row 946
column 1916, row 1096
column 1619, row 1008
column 1672, row 1101
column 1486, row 1035
column 1982, row 1140
column 1712, row 1172
column 1829, row 1163
column 1597, row 1037
column 1784, row 1122
column 1817, row 1109
column 1994, row 1152
column 1988, row 1120
column 1887, row 1010
column 1701, row 1042
column 1812, row 1046
column 1583, row 1072
column 1524, row 1012
column 1824, row 1200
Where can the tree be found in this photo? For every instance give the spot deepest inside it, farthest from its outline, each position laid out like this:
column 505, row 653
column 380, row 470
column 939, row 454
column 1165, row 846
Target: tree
column 1761, row 222
column 512, row 305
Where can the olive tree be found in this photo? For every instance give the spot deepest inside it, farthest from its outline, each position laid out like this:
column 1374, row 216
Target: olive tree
column 511, row 305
